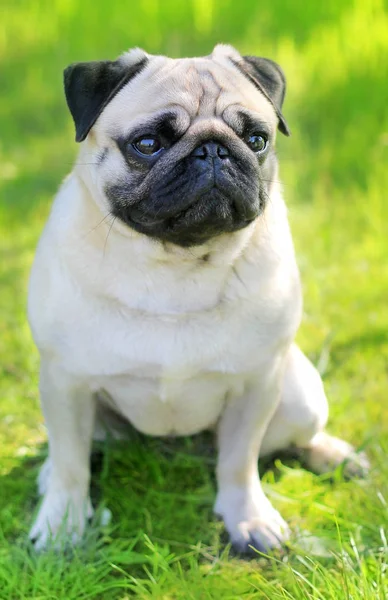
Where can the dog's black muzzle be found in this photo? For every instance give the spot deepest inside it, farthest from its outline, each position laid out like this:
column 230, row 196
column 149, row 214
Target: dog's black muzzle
column 208, row 192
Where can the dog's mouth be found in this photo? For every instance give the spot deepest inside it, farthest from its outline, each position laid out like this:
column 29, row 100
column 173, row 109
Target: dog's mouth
column 196, row 224
column 150, row 223
column 145, row 222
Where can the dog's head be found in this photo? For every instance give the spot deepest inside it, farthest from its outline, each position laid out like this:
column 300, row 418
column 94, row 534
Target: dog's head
column 181, row 150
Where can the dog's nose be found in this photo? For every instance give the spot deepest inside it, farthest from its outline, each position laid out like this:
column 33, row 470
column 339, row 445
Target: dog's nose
column 210, row 150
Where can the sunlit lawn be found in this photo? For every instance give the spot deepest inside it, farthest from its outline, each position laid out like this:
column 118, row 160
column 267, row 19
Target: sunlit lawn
column 164, row 542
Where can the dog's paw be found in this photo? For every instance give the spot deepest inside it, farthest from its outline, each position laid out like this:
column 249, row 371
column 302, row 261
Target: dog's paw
column 252, row 522
column 61, row 519
column 356, row 464
column 326, row 452
column 262, row 534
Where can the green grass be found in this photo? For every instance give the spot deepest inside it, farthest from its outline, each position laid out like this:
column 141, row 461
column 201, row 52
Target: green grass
column 164, row 542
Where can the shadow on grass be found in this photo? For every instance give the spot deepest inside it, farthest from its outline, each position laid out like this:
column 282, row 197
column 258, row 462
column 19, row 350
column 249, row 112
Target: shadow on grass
column 164, row 487
column 160, row 493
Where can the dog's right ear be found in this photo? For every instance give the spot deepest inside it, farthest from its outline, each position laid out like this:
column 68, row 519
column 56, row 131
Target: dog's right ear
column 90, row 86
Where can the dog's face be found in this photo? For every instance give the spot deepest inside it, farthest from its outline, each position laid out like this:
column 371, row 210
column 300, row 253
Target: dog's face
column 181, row 150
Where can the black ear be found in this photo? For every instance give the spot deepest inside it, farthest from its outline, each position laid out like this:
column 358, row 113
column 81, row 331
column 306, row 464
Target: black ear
column 90, row 86
column 269, row 78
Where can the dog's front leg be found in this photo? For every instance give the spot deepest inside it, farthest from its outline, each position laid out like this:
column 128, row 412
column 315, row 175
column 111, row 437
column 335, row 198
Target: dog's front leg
column 248, row 515
column 68, row 406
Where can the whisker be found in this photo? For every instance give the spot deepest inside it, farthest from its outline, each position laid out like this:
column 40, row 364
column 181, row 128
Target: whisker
column 264, row 219
column 272, row 181
column 107, row 235
column 98, row 225
column 237, row 275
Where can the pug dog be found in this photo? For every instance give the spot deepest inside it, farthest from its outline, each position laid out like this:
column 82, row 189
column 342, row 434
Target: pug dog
column 165, row 287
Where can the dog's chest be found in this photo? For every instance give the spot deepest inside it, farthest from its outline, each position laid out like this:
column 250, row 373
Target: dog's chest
column 171, row 374
column 235, row 336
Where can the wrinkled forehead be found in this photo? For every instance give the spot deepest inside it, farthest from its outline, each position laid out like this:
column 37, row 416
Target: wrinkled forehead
column 194, row 88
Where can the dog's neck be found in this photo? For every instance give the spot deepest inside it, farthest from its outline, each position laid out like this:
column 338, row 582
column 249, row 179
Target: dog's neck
column 147, row 275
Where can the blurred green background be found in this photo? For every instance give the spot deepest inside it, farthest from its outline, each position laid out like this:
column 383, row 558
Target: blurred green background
column 334, row 169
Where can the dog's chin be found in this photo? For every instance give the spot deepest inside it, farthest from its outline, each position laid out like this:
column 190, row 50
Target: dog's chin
column 185, row 236
column 193, row 227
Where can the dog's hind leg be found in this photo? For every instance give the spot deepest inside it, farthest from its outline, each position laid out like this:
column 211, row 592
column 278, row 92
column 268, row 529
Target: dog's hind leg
column 299, row 421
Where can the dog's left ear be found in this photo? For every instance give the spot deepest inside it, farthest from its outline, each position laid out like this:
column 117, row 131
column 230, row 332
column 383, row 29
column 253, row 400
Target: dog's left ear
column 90, row 86
column 269, row 78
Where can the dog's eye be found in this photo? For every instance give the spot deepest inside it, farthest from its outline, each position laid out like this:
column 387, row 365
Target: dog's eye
column 148, row 145
column 257, row 142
